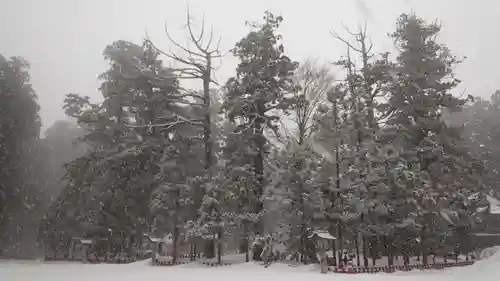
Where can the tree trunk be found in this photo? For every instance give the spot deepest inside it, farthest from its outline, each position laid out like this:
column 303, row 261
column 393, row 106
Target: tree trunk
column 337, row 180
column 247, row 253
column 406, row 256
column 374, row 250
column 302, row 246
column 71, row 254
column 175, row 236
column 390, row 250
column 207, row 124
column 334, row 251
column 191, row 251
column 243, row 243
column 260, row 142
column 303, row 228
column 195, row 250
column 423, row 244
column 358, row 261
column 340, row 237
column 207, row 140
column 209, row 251
column 365, row 252
column 219, row 246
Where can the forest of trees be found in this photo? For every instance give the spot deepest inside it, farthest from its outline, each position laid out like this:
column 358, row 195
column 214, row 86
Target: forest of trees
column 378, row 149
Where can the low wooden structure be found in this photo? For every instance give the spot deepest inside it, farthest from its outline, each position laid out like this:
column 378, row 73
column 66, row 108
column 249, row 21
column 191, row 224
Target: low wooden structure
column 323, row 242
column 160, row 246
column 322, row 239
column 79, row 248
column 82, row 249
column 56, row 246
column 487, row 233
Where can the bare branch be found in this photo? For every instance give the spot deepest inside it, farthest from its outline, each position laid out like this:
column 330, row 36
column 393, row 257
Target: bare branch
column 314, row 82
column 168, row 125
column 169, row 54
column 191, row 95
column 348, row 30
column 197, row 63
column 198, row 41
column 187, row 50
column 338, row 37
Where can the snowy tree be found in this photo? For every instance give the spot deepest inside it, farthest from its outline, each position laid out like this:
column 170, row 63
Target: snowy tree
column 298, row 196
column 312, row 83
column 196, row 59
column 129, row 134
column 481, row 127
column 423, row 77
column 19, row 129
column 350, row 132
column 257, row 94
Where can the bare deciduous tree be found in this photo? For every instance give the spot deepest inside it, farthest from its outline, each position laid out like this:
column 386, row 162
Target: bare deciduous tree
column 365, row 86
column 313, row 82
column 370, row 72
column 196, row 58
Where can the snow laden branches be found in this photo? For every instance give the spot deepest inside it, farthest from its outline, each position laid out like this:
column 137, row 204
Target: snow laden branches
column 372, row 157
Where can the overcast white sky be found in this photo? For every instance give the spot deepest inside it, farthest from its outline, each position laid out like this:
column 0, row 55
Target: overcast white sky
column 64, row 39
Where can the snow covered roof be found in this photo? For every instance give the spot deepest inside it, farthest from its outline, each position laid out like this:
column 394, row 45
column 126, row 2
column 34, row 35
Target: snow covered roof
column 494, row 205
column 208, row 236
column 82, row 240
column 481, row 209
column 155, row 239
column 167, row 239
column 474, row 196
column 322, row 234
column 486, row 234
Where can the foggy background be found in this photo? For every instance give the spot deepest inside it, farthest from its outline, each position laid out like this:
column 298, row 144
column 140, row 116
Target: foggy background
column 64, row 40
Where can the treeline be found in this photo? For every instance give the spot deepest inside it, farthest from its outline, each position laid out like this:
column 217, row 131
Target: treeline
column 30, row 168
column 376, row 157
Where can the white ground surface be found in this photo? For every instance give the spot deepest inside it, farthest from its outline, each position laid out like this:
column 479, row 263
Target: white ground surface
column 486, row 270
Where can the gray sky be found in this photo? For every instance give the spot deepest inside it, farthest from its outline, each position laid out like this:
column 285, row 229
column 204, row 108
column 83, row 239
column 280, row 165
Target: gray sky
column 64, row 39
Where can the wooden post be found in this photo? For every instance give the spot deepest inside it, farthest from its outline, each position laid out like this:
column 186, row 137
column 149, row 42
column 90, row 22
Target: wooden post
column 219, row 246
column 86, row 253
column 358, row 262
column 155, row 252
column 107, row 256
column 71, row 249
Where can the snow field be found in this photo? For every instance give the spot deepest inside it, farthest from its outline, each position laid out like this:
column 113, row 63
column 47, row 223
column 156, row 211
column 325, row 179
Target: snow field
column 485, row 270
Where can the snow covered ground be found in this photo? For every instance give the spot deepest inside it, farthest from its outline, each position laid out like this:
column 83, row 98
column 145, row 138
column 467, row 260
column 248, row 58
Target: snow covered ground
column 486, row 270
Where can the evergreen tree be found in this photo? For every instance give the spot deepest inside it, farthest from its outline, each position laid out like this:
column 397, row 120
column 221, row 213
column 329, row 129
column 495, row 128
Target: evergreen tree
column 257, row 94
column 129, row 134
column 298, row 197
column 19, row 129
column 423, row 78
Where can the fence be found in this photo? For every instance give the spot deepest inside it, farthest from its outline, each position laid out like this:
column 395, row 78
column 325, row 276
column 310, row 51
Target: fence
column 391, row 269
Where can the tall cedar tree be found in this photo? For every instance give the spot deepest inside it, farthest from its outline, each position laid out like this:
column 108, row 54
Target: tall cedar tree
column 258, row 93
column 423, row 79
column 19, row 129
column 239, row 174
column 297, row 196
column 131, row 133
column 481, row 130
